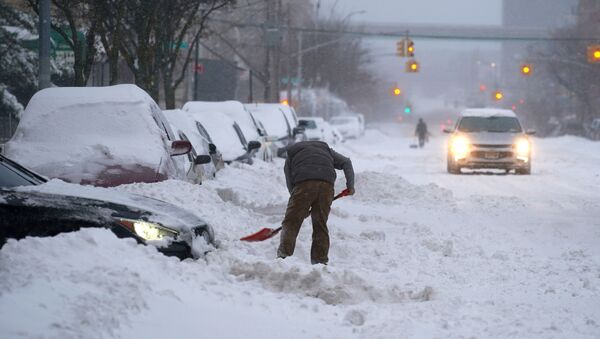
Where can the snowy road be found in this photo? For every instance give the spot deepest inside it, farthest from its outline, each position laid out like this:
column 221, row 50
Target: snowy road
column 416, row 253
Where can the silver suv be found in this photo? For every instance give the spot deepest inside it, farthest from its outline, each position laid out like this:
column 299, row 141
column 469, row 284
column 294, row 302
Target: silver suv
column 489, row 138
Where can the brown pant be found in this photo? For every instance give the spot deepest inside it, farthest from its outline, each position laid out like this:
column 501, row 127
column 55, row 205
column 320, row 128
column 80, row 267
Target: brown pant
column 314, row 197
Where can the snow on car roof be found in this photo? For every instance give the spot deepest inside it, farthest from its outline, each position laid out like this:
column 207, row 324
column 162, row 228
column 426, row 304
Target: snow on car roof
column 487, row 112
column 272, row 118
column 72, row 129
column 234, row 109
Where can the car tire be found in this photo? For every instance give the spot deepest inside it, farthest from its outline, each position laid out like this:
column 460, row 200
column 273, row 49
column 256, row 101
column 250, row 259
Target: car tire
column 524, row 170
column 451, row 167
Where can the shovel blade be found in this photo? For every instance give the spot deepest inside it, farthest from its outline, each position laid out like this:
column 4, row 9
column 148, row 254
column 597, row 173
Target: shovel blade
column 261, row 235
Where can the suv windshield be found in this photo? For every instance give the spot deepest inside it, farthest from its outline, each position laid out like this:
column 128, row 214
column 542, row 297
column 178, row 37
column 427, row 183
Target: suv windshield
column 308, row 124
column 489, row 124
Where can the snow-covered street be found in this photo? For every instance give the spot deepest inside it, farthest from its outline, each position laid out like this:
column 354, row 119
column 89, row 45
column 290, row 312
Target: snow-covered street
column 416, row 253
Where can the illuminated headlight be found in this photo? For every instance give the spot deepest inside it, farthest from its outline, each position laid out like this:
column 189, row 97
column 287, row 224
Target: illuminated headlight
column 147, row 230
column 459, row 147
column 522, row 147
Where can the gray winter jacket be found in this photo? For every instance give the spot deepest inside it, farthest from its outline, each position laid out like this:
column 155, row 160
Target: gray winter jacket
column 314, row 160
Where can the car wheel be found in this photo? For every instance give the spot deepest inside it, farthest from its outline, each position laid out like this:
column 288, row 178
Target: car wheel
column 525, row 170
column 451, row 167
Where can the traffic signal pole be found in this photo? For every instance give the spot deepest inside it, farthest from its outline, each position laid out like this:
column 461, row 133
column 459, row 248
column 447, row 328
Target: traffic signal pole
column 44, row 45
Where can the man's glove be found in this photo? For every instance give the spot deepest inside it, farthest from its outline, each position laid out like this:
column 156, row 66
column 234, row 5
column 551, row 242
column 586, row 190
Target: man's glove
column 350, row 191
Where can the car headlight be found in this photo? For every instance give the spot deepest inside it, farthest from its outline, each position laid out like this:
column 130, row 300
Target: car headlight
column 147, row 230
column 459, row 147
column 522, row 147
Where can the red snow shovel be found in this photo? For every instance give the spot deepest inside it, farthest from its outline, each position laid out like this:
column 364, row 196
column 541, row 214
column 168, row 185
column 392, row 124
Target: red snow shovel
column 267, row 233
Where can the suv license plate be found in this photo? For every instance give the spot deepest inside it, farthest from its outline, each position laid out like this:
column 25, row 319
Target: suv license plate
column 492, row 155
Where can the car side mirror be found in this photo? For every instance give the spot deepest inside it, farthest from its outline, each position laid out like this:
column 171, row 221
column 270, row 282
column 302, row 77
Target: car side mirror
column 298, row 130
column 212, row 149
column 448, row 130
column 180, row 147
column 252, row 145
column 202, row 159
column 530, row 132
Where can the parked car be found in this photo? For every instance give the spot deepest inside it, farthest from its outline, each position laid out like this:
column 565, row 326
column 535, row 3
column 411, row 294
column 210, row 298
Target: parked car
column 314, row 128
column 225, row 133
column 103, row 136
column 348, row 125
column 31, row 206
column 332, row 134
column 281, row 130
column 197, row 170
column 489, row 138
column 251, row 129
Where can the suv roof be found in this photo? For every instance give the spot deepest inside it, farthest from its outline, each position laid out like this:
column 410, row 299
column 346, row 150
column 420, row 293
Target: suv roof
column 487, row 112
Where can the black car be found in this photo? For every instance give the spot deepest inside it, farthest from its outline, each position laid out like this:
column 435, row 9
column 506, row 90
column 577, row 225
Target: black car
column 27, row 209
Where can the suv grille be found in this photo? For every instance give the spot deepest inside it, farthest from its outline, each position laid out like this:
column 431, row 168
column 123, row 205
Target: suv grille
column 492, row 146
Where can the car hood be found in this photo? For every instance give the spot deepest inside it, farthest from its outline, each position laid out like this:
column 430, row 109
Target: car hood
column 492, row 138
column 117, row 204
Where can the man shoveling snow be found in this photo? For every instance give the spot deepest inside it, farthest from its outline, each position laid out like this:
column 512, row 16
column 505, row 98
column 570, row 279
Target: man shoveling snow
column 310, row 175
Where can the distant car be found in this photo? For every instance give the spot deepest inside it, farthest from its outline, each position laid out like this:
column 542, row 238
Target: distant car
column 489, row 138
column 332, row 134
column 314, row 128
column 225, row 133
column 349, row 125
column 251, row 129
column 30, row 206
column 102, row 136
column 198, row 168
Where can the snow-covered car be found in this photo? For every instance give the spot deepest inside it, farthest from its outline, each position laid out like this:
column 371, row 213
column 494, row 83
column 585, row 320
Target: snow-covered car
column 489, row 138
column 32, row 206
column 251, row 129
column 332, row 134
column 314, row 128
column 225, row 133
column 348, row 125
column 281, row 129
column 198, row 168
column 103, row 136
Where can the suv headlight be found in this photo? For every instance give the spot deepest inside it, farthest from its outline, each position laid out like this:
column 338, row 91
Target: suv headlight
column 459, row 147
column 147, row 230
column 522, row 147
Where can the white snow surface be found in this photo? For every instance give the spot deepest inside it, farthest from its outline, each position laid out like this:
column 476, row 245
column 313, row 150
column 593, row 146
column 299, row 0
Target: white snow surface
column 234, row 109
column 416, row 253
column 487, row 112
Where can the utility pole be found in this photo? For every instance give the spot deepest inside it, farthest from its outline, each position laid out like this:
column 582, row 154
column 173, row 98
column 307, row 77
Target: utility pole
column 44, row 45
column 299, row 74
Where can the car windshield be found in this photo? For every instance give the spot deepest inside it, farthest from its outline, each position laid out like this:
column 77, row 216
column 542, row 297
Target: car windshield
column 308, row 124
column 489, row 124
column 13, row 175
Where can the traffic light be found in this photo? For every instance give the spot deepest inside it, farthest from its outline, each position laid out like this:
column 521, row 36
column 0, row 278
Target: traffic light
column 593, row 54
column 412, row 66
column 407, row 109
column 397, row 91
column 498, row 95
column 410, row 48
column 400, row 51
column 526, row 69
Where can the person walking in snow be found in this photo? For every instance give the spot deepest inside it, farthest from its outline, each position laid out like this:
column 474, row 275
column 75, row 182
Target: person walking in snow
column 310, row 175
column 421, row 132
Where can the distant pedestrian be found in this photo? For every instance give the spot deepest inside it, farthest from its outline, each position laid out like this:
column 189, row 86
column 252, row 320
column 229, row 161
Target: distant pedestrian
column 421, row 132
column 310, row 174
